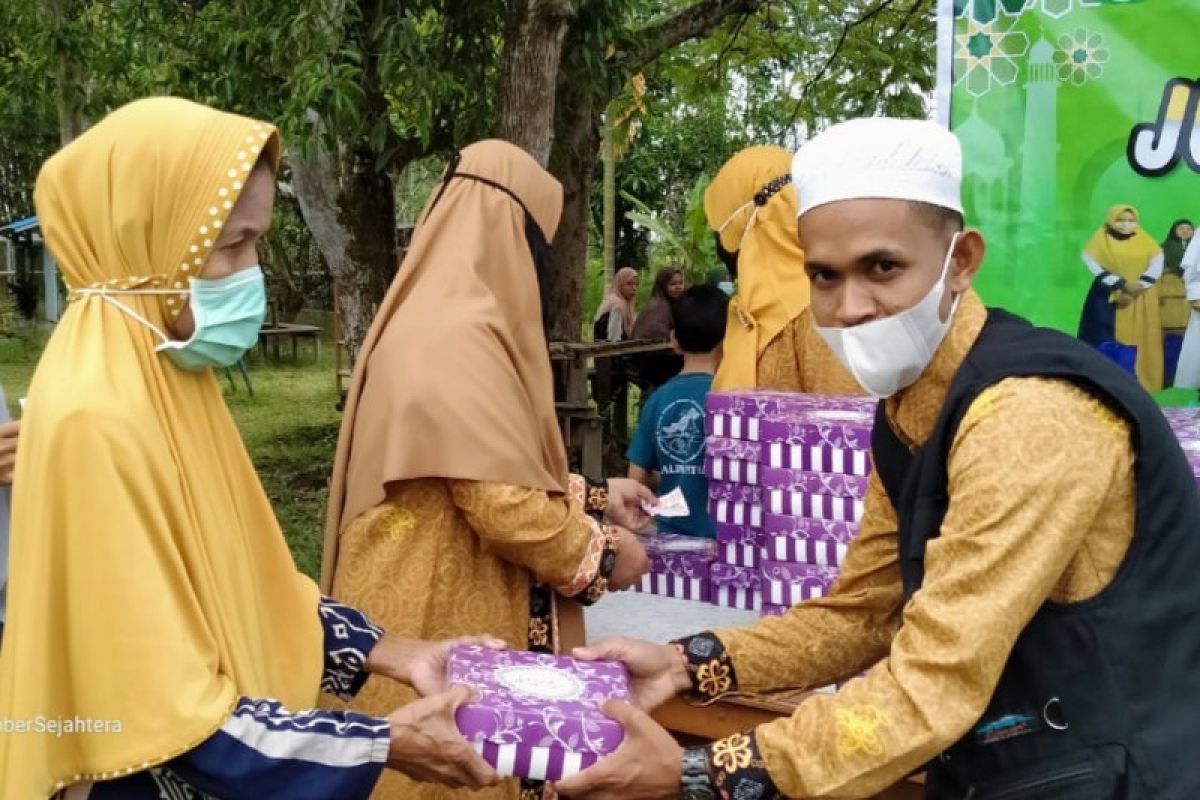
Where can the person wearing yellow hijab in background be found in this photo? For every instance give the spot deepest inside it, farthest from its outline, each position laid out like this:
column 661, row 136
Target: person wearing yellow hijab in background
column 451, row 510
column 1127, row 264
column 770, row 341
column 160, row 641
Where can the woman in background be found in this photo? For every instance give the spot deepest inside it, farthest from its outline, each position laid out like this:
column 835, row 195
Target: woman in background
column 1122, row 304
column 615, row 317
column 1172, row 294
column 1187, row 374
column 770, row 341
column 655, row 324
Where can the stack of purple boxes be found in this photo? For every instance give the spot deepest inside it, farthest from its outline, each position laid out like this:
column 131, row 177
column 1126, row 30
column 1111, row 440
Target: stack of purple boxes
column 787, row 478
column 679, row 566
column 1186, row 424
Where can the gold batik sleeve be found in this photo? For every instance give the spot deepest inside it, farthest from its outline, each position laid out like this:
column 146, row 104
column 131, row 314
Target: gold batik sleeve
column 549, row 536
column 779, row 362
column 1022, row 503
column 829, row 638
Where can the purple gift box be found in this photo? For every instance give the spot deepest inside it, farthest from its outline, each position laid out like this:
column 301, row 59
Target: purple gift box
column 817, row 506
column 736, row 587
column 815, row 458
column 734, row 492
column 739, row 544
column 667, row 544
column 741, row 555
column 733, row 449
column 805, row 540
column 537, row 716
column 772, row 610
column 845, row 430
column 1182, row 418
column 687, row 565
column 765, row 403
column 680, row 586
column 836, row 428
column 802, row 482
column 735, row 503
column 731, row 470
column 726, row 513
column 739, row 534
column 787, row 584
column 1191, row 449
column 1185, row 422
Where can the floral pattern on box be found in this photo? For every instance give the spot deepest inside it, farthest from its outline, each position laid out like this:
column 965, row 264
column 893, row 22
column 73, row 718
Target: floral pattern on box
column 762, row 403
column 537, row 715
column 801, row 482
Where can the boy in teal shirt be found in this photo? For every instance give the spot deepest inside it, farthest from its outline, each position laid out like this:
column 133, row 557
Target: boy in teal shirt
column 667, row 451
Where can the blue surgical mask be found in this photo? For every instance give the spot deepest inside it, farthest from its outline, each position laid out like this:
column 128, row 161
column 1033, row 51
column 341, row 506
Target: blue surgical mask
column 229, row 313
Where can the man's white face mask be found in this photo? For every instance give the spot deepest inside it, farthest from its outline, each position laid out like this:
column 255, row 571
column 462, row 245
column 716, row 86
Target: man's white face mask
column 889, row 354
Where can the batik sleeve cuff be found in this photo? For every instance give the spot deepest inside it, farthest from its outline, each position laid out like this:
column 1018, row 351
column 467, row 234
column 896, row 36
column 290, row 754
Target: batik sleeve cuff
column 708, row 665
column 349, row 639
column 595, row 571
column 738, row 768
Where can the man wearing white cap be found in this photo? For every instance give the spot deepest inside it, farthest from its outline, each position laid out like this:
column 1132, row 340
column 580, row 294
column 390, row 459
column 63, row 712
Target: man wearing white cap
column 1021, row 592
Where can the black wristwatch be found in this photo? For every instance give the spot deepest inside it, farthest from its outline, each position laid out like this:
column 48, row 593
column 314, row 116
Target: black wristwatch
column 695, row 778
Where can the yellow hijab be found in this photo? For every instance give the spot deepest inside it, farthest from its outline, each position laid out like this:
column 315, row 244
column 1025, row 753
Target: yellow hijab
column 1127, row 258
column 151, row 584
column 772, row 289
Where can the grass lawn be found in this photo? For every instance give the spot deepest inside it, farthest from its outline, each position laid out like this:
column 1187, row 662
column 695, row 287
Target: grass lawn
column 290, row 428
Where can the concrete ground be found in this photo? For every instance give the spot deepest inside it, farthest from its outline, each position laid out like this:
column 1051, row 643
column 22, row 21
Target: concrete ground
column 657, row 619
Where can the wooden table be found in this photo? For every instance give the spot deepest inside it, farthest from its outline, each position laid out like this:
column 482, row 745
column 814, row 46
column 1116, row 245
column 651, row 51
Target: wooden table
column 573, row 403
column 274, row 332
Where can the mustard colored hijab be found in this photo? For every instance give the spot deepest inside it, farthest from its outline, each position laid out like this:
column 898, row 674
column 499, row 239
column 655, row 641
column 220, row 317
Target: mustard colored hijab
column 150, row 583
column 772, row 289
column 1127, row 258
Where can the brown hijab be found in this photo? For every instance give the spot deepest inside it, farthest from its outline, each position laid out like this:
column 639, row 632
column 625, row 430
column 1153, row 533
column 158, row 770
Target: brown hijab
column 453, row 379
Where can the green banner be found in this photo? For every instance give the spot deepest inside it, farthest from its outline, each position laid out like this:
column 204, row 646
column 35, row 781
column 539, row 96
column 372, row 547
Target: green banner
column 1066, row 108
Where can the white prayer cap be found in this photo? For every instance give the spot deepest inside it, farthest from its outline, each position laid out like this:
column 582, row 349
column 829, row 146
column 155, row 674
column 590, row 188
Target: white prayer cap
column 879, row 158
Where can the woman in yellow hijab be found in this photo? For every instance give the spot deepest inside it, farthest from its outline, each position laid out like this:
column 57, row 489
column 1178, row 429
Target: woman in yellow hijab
column 451, row 510
column 160, row 642
column 770, row 341
column 1127, row 264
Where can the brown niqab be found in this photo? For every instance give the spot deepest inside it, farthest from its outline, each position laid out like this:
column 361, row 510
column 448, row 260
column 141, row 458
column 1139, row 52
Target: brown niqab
column 453, row 379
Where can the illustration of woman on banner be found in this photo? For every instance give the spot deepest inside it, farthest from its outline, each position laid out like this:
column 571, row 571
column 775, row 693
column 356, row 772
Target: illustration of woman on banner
column 1122, row 304
column 1187, row 374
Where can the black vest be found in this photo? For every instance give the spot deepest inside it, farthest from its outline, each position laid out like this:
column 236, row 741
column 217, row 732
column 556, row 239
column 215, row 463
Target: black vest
column 1099, row 699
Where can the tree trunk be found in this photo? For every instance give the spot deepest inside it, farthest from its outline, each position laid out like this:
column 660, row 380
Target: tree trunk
column 532, row 51
column 577, row 141
column 349, row 205
column 572, row 161
column 68, row 80
column 608, row 155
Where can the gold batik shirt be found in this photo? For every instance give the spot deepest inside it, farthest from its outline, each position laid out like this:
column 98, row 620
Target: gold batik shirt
column 1028, row 521
column 798, row 360
column 442, row 558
